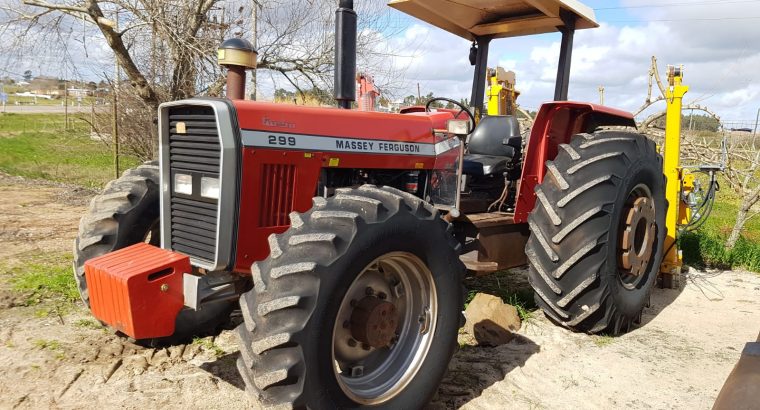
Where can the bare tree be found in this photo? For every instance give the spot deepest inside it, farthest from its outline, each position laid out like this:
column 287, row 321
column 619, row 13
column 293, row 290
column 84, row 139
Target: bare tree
column 295, row 39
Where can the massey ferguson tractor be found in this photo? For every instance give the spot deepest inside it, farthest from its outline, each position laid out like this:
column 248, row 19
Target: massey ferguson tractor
column 343, row 236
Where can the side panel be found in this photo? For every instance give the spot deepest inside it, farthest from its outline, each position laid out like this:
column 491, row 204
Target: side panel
column 273, row 184
column 555, row 124
column 277, row 182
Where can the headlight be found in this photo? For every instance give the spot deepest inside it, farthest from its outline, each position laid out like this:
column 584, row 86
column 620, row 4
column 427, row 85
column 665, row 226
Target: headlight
column 210, row 187
column 183, row 184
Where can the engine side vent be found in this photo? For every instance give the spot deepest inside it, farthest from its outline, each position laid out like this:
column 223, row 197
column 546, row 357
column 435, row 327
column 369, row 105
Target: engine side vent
column 277, row 186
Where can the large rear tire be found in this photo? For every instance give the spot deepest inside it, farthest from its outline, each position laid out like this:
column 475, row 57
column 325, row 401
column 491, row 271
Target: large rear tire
column 357, row 264
column 126, row 213
column 597, row 231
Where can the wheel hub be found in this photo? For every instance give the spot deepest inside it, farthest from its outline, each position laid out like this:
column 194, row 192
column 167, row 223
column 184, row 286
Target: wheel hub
column 374, row 321
column 384, row 328
column 638, row 236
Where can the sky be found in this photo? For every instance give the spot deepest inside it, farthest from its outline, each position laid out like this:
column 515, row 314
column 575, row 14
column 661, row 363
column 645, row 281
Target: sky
column 716, row 41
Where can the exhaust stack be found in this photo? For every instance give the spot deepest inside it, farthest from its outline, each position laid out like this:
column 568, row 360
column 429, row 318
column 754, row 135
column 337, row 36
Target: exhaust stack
column 237, row 55
column 345, row 54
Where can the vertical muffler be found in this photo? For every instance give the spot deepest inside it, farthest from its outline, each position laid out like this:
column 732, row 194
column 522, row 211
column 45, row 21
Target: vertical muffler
column 345, row 54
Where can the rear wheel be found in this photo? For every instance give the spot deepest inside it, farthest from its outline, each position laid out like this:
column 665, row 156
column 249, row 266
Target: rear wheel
column 597, row 231
column 357, row 305
column 126, row 213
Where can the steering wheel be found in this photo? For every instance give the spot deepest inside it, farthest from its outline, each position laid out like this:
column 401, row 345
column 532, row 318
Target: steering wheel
column 461, row 106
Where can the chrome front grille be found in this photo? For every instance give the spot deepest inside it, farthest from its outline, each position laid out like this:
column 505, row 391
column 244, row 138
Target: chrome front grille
column 200, row 137
column 194, row 149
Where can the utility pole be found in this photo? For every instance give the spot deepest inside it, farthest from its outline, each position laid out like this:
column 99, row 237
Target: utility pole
column 255, row 23
column 114, row 111
column 419, row 98
column 601, row 95
column 757, row 117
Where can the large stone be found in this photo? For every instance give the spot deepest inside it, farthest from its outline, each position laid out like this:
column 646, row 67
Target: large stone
column 490, row 321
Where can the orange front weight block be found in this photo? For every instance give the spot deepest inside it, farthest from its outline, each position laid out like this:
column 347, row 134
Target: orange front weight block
column 137, row 290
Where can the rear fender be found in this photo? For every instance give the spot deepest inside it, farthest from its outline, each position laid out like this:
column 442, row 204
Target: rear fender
column 555, row 124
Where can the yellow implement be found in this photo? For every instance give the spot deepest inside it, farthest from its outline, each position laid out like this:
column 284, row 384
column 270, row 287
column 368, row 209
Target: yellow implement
column 676, row 183
column 501, row 92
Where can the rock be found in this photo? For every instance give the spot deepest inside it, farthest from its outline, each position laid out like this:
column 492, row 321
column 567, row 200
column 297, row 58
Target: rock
column 491, row 321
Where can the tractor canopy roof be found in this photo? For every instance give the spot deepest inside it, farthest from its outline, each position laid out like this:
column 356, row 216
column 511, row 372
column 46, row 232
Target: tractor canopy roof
column 498, row 18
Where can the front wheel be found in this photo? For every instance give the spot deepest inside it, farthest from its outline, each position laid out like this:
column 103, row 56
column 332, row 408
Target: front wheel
column 357, row 305
column 126, row 213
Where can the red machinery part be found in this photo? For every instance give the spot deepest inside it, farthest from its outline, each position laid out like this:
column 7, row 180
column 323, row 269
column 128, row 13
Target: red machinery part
column 138, row 289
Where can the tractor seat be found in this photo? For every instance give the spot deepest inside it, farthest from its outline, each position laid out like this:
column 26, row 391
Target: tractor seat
column 492, row 146
column 475, row 164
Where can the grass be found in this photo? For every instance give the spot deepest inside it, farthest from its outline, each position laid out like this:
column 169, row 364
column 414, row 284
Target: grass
column 706, row 246
column 602, row 340
column 207, row 343
column 45, row 280
column 88, row 324
column 37, row 146
column 50, row 278
column 53, row 346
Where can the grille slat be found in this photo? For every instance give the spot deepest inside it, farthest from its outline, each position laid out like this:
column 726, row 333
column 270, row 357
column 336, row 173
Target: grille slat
column 197, row 210
column 179, row 117
column 191, row 230
column 196, row 152
column 195, row 138
column 194, row 221
column 192, row 202
column 194, row 124
column 192, row 215
column 191, row 166
column 196, row 238
column 198, row 159
column 195, row 145
column 207, row 255
column 195, row 131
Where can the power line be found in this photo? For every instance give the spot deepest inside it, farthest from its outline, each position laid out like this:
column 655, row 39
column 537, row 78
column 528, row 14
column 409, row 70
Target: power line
column 686, row 19
column 701, row 3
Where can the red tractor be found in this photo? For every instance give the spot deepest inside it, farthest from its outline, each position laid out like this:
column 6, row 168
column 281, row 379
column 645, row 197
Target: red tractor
column 344, row 236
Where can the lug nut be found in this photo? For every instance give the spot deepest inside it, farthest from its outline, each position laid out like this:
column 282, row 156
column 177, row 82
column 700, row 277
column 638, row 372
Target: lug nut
column 365, row 346
column 369, row 291
column 382, row 295
column 352, row 342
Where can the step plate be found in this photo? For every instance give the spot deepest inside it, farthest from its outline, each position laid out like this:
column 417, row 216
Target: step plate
column 137, row 290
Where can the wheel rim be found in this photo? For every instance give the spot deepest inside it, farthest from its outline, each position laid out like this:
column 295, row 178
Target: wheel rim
column 637, row 236
column 372, row 362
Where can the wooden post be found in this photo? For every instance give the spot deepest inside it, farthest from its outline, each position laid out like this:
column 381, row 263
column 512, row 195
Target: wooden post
column 114, row 112
column 65, row 104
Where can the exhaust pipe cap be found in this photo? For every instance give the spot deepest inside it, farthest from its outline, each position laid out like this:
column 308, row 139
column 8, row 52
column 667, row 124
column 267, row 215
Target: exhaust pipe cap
column 237, row 52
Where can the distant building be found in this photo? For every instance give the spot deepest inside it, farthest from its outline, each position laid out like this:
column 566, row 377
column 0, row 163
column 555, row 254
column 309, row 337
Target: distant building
column 79, row 92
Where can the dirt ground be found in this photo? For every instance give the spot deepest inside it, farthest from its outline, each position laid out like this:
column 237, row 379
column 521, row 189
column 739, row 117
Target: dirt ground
column 679, row 358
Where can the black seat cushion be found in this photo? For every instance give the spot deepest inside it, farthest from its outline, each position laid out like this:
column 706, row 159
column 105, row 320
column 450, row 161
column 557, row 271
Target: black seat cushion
column 497, row 135
column 475, row 164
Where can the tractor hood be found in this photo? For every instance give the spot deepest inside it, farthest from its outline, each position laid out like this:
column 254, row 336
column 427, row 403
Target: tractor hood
column 259, row 118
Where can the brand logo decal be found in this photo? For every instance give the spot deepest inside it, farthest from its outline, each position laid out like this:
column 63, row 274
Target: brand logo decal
column 277, row 123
